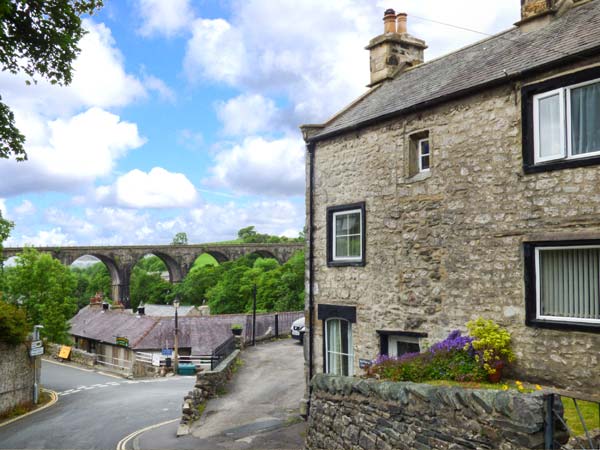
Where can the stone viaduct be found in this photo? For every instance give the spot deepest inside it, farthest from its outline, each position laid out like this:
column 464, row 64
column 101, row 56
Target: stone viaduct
column 179, row 259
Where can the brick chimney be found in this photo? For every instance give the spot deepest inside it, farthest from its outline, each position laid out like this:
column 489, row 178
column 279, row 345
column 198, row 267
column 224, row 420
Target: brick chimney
column 96, row 301
column 395, row 50
column 537, row 13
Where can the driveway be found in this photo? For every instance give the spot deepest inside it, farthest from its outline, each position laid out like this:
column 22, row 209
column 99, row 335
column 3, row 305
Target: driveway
column 259, row 410
column 94, row 410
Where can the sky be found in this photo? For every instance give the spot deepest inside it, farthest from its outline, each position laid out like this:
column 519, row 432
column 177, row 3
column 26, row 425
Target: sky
column 183, row 115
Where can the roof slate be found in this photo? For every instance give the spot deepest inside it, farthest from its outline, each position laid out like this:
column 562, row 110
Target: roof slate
column 504, row 56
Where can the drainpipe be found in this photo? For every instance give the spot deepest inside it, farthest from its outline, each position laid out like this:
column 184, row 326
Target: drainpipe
column 311, row 226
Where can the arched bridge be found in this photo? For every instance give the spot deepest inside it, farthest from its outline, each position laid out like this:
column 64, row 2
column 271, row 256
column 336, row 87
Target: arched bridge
column 179, row 259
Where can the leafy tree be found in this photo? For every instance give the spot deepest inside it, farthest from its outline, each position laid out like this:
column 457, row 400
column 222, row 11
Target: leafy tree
column 148, row 288
column 45, row 289
column 5, row 227
column 193, row 289
column 13, row 324
column 249, row 235
column 91, row 280
column 180, row 239
column 38, row 37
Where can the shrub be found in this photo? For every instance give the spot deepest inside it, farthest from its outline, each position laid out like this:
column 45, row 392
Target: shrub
column 236, row 326
column 491, row 343
column 13, row 324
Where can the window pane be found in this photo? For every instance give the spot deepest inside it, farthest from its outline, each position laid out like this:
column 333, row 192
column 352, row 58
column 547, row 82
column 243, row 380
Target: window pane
column 569, row 283
column 549, row 127
column 338, row 347
column 585, row 119
column 354, row 246
column 424, row 147
column 341, row 246
column 354, row 223
column 341, row 224
column 425, row 162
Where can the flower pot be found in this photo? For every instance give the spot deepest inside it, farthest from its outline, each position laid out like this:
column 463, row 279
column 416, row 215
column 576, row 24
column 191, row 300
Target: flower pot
column 497, row 375
column 236, row 331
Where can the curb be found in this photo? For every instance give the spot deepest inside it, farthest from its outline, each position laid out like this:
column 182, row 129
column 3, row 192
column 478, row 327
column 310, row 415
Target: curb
column 47, row 405
column 122, row 445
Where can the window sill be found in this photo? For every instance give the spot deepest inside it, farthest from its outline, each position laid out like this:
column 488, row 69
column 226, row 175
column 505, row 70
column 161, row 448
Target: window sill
column 561, row 164
column 421, row 176
column 564, row 326
column 346, row 263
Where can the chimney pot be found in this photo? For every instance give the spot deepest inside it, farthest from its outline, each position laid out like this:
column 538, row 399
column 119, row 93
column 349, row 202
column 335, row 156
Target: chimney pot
column 401, row 23
column 389, row 21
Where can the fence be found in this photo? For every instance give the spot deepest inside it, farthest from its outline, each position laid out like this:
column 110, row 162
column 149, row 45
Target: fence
column 207, row 362
column 580, row 429
column 113, row 364
column 270, row 325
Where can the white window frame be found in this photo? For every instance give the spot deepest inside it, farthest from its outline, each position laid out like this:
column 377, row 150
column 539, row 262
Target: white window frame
column 564, row 94
column 334, row 235
column 395, row 338
column 421, row 154
column 350, row 353
column 538, row 291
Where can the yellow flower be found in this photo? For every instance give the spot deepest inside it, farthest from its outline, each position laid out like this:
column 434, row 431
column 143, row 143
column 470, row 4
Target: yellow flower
column 505, row 387
column 538, row 387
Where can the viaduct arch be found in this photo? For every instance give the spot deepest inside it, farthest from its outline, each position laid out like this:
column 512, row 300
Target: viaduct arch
column 179, row 259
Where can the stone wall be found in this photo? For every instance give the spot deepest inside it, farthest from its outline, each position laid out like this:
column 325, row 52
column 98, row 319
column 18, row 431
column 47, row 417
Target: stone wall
column 208, row 385
column 16, row 376
column 77, row 356
column 445, row 247
column 367, row 414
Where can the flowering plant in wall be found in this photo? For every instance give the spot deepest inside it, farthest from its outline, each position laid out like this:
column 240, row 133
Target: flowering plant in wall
column 472, row 358
column 492, row 345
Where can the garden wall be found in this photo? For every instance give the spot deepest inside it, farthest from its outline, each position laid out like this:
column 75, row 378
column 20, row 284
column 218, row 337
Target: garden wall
column 355, row 413
column 16, row 376
column 208, row 384
column 77, row 356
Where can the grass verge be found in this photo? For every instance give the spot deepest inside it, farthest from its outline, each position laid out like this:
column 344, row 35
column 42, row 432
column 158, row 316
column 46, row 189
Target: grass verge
column 24, row 408
column 589, row 410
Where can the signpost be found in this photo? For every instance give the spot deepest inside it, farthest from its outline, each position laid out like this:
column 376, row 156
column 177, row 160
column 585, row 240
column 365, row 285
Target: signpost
column 167, row 352
column 65, row 352
column 36, row 349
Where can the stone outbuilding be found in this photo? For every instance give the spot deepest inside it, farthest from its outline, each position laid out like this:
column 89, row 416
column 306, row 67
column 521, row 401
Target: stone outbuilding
column 467, row 186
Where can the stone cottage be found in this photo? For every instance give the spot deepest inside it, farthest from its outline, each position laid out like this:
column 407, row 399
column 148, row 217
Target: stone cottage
column 467, row 186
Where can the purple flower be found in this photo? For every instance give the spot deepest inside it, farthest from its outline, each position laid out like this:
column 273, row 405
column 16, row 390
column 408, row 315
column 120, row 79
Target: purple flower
column 454, row 341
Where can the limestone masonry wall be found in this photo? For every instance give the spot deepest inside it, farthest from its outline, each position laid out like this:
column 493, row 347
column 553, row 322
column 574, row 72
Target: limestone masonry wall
column 208, row 385
column 367, row 414
column 16, row 376
column 445, row 247
column 77, row 356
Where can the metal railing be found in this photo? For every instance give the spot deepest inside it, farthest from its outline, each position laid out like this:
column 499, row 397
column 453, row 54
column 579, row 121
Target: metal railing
column 114, row 364
column 558, row 432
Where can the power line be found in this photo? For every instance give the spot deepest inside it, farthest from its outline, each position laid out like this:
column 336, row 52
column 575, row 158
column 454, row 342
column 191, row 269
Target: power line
column 499, row 36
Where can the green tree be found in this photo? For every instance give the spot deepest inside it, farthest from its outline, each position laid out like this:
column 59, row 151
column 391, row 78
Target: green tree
column 180, row 239
column 249, row 235
column 45, row 289
column 38, row 37
column 13, row 324
column 5, row 227
column 148, row 288
column 91, row 280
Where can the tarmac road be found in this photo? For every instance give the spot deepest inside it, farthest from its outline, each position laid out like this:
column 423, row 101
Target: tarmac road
column 95, row 411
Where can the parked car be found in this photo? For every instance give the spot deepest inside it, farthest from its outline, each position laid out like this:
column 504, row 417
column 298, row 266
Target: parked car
column 298, row 329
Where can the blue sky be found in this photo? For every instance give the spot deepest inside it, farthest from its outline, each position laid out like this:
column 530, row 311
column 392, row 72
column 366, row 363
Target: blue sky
column 183, row 115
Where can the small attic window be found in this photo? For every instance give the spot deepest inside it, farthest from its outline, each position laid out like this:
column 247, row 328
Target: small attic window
column 419, row 154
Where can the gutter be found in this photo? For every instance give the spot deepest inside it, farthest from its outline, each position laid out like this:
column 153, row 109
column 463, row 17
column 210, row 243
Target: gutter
column 310, row 147
column 516, row 76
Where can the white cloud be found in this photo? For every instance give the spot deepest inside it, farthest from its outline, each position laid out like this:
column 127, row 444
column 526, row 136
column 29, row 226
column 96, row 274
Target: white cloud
column 164, row 17
column 159, row 86
column 25, row 208
column 262, row 167
column 78, row 150
column 53, row 237
column 317, row 60
column 215, row 51
column 247, row 114
column 155, row 189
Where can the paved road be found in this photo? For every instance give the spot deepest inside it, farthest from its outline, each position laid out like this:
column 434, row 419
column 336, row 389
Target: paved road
column 259, row 411
column 95, row 411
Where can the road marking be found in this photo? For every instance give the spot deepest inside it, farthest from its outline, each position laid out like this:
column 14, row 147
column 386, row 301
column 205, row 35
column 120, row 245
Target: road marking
column 112, row 384
column 122, row 445
column 54, row 399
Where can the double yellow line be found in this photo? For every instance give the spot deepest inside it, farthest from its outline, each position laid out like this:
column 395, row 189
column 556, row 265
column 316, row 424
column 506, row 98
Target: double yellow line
column 122, row 445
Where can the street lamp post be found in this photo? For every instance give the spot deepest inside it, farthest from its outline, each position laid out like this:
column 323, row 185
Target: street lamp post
column 176, row 353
